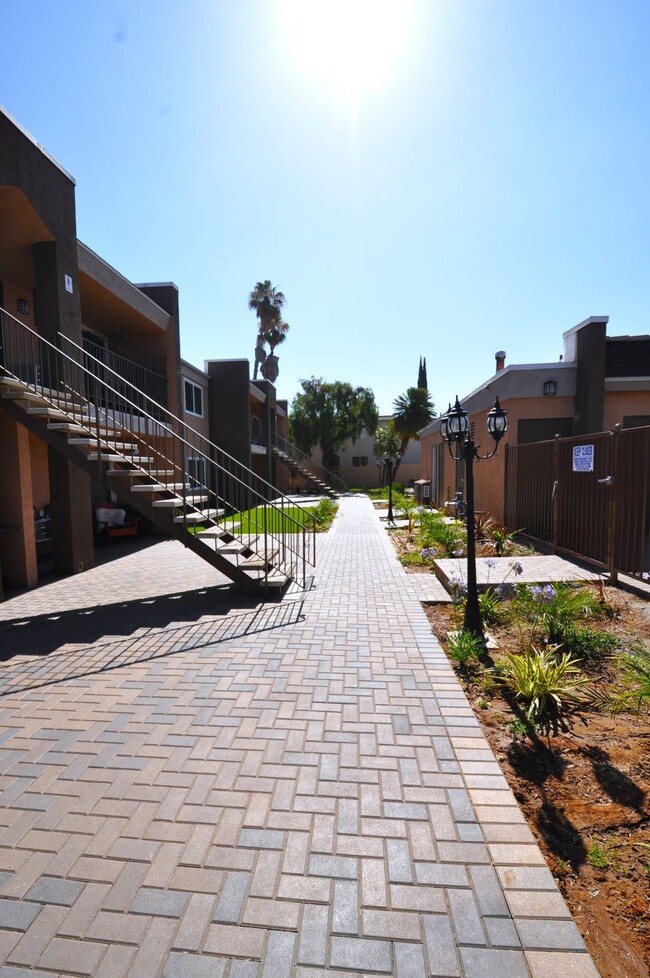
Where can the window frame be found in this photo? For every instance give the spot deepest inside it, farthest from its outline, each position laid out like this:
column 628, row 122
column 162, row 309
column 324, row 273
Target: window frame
column 192, row 388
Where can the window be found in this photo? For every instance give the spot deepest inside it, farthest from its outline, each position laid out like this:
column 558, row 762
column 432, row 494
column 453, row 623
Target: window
column 359, row 460
column 193, row 399
column 196, row 472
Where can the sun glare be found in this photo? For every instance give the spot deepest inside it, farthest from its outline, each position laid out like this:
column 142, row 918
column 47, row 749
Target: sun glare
column 350, row 46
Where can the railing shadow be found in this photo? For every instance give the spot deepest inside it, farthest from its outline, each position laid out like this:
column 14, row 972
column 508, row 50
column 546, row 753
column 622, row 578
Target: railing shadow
column 43, row 634
column 78, row 663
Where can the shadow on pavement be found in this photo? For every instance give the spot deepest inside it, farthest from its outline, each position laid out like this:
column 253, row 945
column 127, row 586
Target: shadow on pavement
column 45, row 633
column 22, row 675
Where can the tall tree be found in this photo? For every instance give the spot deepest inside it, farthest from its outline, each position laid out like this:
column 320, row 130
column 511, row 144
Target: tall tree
column 276, row 334
column 387, row 439
column 327, row 414
column 422, row 374
column 268, row 302
column 413, row 411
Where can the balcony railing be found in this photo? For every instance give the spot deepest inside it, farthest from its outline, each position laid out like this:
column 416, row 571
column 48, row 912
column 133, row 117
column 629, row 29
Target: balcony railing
column 134, row 375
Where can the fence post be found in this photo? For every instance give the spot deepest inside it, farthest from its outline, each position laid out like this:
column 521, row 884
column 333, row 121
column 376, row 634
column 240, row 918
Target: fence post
column 612, row 535
column 556, row 493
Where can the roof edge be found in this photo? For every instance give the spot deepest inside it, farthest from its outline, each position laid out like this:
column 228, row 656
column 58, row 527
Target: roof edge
column 14, row 121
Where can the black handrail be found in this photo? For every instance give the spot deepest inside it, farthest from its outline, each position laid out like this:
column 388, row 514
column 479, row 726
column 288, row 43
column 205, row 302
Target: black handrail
column 298, row 457
column 184, row 462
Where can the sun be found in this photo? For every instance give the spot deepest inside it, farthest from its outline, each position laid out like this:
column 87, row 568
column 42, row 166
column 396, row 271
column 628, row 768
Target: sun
column 351, row 47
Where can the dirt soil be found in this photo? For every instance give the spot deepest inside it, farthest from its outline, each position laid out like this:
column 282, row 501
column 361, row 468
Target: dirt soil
column 585, row 794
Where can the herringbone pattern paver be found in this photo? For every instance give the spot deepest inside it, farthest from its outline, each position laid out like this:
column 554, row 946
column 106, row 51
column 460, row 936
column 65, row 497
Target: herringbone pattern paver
column 305, row 799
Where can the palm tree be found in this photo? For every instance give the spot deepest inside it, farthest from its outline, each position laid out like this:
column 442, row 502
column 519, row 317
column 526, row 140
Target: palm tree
column 413, row 411
column 267, row 301
column 276, row 334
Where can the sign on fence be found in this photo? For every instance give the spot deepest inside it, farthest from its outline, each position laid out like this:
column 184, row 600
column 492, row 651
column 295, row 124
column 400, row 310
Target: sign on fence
column 583, row 458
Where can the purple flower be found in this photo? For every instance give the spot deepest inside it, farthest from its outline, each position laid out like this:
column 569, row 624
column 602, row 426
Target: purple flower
column 458, row 553
column 491, row 562
column 457, row 585
column 505, row 591
column 427, row 553
column 517, row 569
column 542, row 595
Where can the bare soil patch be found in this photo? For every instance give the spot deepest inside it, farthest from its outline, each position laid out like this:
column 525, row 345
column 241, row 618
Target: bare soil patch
column 586, row 796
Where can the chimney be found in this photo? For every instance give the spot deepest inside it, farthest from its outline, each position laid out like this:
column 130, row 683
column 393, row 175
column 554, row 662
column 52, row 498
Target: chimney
column 500, row 358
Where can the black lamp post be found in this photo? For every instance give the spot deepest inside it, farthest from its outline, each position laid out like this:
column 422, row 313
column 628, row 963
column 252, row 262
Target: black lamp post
column 459, row 438
column 390, row 466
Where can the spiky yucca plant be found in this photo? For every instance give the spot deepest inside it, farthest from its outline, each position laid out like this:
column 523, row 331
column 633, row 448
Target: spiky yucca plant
column 548, row 685
column 635, row 673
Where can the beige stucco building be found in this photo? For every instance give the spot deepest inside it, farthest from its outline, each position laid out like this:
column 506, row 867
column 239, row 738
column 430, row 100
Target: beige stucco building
column 600, row 381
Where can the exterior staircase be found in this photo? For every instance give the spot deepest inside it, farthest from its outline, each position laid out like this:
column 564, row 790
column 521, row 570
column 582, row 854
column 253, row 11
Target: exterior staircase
column 317, row 476
column 156, row 464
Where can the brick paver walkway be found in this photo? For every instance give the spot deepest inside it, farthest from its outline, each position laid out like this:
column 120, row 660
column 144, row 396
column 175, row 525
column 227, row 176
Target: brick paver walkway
column 307, row 795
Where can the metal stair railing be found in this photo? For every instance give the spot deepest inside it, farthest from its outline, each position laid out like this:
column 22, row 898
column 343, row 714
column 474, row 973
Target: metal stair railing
column 316, row 469
column 195, row 473
column 136, row 375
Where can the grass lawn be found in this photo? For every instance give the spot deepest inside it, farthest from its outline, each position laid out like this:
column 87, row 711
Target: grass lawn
column 253, row 520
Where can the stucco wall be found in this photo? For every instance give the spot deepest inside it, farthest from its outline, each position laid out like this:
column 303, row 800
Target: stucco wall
column 621, row 404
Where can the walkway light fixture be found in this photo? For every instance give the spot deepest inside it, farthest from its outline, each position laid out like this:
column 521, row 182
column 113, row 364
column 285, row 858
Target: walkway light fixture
column 458, row 435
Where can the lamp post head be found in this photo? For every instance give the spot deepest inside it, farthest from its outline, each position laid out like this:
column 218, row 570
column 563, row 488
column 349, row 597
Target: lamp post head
column 497, row 422
column 456, row 424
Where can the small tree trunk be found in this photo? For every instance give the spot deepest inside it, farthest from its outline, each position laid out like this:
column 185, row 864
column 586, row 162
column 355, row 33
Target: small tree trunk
column 402, row 452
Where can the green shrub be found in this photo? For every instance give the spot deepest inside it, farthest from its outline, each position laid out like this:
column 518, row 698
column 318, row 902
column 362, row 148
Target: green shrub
column 587, row 644
column 554, row 611
column 464, row 647
column 434, row 532
column 492, row 610
column 502, row 539
column 547, row 685
column 635, row 670
column 597, row 855
column 324, row 513
column 414, row 559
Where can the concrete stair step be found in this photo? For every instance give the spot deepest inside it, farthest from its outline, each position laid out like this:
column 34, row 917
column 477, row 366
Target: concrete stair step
column 274, row 579
column 105, row 457
column 257, row 561
column 52, row 412
column 232, row 547
column 191, row 519
column 75, row 428
column 18, row 395
column 201, row 516
column 89, row 441
column 173, row 503
column 148, row 487
column 128, row 473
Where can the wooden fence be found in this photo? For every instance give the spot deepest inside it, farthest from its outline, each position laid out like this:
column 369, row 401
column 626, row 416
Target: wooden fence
column 585, row 496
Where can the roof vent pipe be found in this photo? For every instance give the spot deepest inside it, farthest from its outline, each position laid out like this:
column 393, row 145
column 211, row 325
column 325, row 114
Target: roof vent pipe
column 500, row 358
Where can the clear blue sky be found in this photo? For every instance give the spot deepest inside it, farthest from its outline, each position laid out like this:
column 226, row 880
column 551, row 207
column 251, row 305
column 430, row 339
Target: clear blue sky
column 443, row 179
